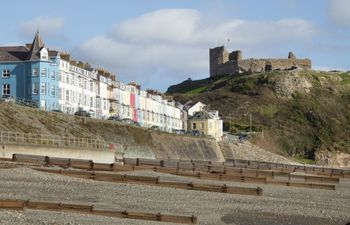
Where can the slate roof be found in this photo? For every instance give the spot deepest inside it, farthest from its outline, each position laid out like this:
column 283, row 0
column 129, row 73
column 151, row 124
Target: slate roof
column 202, row 115
column 21, row 53
column 38, row 44
column 53, row 53
column 13, row 53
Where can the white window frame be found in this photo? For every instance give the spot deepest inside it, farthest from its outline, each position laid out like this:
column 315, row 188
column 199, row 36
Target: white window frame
column 67, row 95
column 6, row 88
column 91, row 102
column 35, row 72
column 6, row 73
column 53, row 75
column 35, row 88
column 53, row 91
column 43, row 72
column 43, row 88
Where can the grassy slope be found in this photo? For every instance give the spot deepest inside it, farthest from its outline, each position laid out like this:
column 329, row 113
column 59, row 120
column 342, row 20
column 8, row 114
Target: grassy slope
column 297, row 126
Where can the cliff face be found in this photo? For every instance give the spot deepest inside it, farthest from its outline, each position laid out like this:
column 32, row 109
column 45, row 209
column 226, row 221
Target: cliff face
column 300, row 113
column 132, row 141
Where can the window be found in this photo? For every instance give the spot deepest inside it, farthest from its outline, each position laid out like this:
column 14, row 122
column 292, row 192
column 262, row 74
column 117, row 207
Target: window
column 67, row 95
column 6, row 73
column 43, row 72
column 104, row 105
column 73, row 96
column 91, row 102
column 6, row 89
column 91, row 86
column 35, row 88
column 52, row 75
column 43, row 88
column 202, row 125
column 53, row 91
column 194, row 126
column 35, row 72
column 79, row 98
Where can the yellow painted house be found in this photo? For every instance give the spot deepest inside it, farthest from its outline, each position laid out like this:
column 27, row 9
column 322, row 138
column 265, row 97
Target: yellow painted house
column 206, row 122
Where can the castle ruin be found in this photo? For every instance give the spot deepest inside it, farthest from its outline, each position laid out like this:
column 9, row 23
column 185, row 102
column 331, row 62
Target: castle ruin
column 224, row 63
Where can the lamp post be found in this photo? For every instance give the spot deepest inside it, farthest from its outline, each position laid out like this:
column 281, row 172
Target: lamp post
column 250, row 122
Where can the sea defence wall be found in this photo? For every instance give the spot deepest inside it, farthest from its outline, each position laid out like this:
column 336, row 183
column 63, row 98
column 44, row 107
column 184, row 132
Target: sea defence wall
column 99, row 156
column 123, row 139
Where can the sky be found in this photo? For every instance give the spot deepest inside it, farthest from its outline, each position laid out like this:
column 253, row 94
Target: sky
column 157, row 43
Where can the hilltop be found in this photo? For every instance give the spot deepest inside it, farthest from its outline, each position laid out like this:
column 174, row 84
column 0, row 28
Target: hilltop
column 304, row 114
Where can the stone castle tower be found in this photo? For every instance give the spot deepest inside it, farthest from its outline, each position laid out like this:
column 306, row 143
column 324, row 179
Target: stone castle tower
column 221, row 62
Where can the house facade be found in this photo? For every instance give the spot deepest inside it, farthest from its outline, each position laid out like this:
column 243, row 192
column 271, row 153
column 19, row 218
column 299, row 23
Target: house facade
column 53, row 81
column 30, row 73
column 205, row 121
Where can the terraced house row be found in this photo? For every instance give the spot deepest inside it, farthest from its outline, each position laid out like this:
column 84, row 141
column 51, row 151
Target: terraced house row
column 53, row 81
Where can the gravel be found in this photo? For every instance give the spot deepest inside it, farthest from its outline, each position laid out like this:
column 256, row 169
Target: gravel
column 278, row 205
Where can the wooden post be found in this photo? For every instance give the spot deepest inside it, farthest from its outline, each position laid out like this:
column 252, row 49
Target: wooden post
column 159, row 217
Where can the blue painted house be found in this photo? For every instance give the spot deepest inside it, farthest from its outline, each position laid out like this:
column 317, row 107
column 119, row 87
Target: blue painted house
column 31, row 73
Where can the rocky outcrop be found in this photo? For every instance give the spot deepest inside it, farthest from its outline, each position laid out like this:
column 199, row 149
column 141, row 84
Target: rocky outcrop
column 333, row 159
column 286, row 86
column 248, row 151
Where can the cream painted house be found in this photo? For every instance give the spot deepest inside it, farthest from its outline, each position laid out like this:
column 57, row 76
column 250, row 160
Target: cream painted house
column 206, row 122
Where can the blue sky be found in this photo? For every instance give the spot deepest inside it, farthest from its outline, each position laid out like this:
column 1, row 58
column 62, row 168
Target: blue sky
column 158, row 43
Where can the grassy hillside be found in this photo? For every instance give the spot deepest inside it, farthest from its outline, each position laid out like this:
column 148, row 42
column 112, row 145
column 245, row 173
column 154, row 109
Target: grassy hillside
column 299, row 112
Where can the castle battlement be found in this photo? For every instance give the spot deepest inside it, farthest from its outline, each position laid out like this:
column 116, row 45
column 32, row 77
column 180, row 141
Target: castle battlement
column 222, row 63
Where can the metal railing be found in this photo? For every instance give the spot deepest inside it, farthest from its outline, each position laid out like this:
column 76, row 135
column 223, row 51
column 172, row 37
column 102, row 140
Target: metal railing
column 20, row 101
column 7, row 137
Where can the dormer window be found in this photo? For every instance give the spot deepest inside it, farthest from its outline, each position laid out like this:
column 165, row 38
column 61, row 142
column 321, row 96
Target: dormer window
column 44, row 55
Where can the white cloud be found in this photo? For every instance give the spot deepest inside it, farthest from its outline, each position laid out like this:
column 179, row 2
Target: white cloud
column 166, row 46
column 48, row 26
column 339, row 12
column 327, row 68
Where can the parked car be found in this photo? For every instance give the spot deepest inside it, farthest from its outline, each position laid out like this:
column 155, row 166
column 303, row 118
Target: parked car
column 179, row 131
column 57, row 110
column 243, row 137
column 155, row 128
column 116, row 118
column 82, row 113
column 136, row 124
column 127, row 121
column 193, row 132
column 130, row 122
